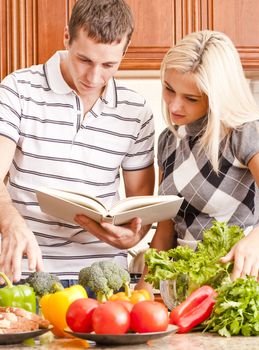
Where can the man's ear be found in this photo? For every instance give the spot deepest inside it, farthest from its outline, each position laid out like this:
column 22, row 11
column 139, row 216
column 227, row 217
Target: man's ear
column 66, row 38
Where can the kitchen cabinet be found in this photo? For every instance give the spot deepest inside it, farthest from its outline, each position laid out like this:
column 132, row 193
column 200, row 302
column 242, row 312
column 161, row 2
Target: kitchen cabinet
column 31, row 30
column 161, row 23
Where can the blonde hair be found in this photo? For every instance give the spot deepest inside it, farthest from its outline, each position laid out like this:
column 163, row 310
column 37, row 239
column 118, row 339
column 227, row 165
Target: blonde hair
column 215, row 64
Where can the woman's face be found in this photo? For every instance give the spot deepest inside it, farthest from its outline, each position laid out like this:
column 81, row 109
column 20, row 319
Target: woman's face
column 184, row 101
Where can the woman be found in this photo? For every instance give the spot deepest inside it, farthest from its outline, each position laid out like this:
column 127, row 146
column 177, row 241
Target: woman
column 209, row 154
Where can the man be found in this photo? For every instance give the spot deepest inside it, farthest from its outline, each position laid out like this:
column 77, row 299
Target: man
column 68, row 124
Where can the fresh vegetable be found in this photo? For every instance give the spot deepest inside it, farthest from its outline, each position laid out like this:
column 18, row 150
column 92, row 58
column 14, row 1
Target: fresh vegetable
column 192, row 269
column 79, row 314
column 110, row 318
column 20, row 295
column 44, row 283
column 54, row 306
column 236, row 311
column 139, row 295
column 149, row 316
column 127, row 304
column 133, row 296
column 104, row 278
column 194, row 310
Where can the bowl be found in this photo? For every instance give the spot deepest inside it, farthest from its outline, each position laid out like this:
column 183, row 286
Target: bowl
column 174, row 292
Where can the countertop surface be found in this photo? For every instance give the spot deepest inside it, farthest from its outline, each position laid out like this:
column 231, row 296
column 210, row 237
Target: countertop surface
column 193, row 341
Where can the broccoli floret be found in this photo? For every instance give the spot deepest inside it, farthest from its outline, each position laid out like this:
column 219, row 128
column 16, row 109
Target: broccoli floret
column 44, row 283
column 104, row 278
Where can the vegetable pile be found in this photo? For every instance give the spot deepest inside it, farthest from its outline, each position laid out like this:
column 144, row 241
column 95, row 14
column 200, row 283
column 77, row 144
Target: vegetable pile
column 236, row 311
column 116, row 317
column 192, row 269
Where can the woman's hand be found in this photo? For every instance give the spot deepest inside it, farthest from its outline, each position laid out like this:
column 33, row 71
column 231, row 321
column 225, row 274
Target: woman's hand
column 245, row 255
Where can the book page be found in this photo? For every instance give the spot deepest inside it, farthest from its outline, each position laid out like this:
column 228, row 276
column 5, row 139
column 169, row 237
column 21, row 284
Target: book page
column 86, row 201
column 131, row 203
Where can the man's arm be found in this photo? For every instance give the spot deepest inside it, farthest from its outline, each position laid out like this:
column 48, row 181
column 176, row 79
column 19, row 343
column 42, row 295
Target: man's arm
column 140, row 183
column 137, row 183
column 17, row 239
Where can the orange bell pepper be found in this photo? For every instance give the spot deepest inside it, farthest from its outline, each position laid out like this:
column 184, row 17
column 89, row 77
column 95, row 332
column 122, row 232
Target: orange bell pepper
column 54, row 306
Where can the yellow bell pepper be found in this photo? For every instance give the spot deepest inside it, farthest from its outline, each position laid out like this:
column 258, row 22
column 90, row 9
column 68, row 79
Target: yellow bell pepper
column 133, row 296
column 54, row 306
column 139, row 295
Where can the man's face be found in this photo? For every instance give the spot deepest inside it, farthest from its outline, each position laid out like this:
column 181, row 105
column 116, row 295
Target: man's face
column 89, row 64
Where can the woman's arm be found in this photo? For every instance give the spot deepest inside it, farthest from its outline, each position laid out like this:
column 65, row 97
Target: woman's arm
column 245, row 253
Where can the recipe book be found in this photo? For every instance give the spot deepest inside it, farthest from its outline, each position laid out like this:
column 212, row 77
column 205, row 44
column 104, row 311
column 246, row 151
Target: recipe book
column 66, row 205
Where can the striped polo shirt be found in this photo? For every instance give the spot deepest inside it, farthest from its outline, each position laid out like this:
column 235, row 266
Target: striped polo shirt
column 57, row 147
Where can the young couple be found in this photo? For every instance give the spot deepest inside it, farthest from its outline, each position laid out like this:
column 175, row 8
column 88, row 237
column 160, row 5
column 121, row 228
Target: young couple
column 69, row 124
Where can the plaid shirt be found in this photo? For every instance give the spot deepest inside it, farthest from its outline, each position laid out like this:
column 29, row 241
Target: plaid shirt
column 231, row 195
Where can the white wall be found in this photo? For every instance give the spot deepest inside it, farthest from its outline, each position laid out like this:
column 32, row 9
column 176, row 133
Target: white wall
column 150, row 88
column 255, row 89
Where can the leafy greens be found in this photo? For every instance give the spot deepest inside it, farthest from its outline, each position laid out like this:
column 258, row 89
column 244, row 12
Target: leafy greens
column 236, row 311
column 201, row 266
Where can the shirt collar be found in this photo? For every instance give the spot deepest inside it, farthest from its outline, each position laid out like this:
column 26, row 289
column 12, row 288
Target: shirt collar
column 109, row 95
column 57, row 83
column 197, row 128
column 54, row 76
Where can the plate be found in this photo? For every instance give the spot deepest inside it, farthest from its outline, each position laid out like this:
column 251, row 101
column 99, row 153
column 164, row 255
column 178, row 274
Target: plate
column 123, row 339
column 15, row 338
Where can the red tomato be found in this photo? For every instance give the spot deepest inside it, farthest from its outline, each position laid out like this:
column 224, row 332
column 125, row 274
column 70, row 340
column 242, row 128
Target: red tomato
column 111, row 318
column 149, row 316
column 79, row 314
column 127, row 304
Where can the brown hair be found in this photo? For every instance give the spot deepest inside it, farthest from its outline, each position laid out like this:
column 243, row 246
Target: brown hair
column 105, row 21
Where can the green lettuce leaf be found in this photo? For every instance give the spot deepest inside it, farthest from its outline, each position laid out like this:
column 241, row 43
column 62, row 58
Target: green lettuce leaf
column 199, row 267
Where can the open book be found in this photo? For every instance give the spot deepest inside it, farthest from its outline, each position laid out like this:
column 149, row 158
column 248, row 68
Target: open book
column 66, row 205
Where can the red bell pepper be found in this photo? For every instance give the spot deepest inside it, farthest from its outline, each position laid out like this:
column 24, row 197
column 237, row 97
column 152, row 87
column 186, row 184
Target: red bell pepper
column 194, row 310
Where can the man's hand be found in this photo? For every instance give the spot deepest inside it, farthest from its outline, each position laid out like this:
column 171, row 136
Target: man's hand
column 16, row 244
column 122, row 237
column 245, row 255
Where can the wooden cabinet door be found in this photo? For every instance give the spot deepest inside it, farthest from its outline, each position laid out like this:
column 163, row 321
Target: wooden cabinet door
column 239, row 20
column 161, row 23
column 32, row 30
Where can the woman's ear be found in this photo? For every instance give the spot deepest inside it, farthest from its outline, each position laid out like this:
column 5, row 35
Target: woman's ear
column 66, row 38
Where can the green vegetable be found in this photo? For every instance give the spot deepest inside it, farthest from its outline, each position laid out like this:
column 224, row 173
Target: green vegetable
column 44, row 283
column 236, row 311
column 192, row 269
column 104, row 278
column 20, row 295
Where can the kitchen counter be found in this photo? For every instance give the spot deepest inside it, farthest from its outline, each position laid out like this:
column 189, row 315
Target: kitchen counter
column 193, row 341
